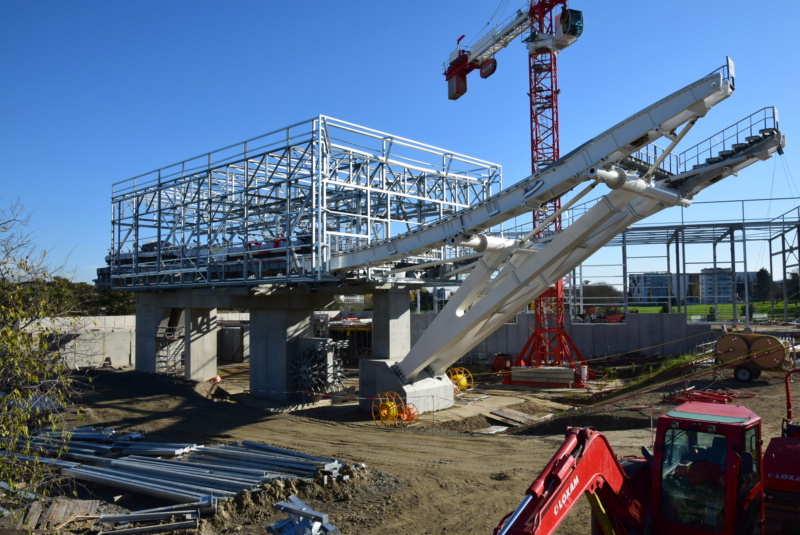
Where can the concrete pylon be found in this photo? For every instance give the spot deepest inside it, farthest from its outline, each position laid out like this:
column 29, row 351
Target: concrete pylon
column 274, row 338
column 391, row 342
column 391, row 324
column 200, row 347
column 150, row 314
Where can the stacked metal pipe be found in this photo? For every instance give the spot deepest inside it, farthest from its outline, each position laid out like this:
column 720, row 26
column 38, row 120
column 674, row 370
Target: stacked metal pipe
column 192, row 473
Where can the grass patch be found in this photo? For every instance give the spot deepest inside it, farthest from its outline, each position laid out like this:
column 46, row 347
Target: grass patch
column 725, row 310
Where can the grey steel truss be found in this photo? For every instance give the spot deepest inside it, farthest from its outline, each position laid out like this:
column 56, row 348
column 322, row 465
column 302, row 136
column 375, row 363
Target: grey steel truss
column 274, row 209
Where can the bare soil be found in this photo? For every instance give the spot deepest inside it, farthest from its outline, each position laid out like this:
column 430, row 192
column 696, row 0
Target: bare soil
column 437, row 477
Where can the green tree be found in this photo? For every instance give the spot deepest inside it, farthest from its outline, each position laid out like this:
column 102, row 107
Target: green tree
column 600, row 293
column 82, row 299
column 106, row 302
column 762, row 286
column 35, row 386
column 426, row 299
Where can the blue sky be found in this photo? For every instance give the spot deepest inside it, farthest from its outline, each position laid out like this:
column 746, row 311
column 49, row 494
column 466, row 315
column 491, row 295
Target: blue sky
column 94, row 92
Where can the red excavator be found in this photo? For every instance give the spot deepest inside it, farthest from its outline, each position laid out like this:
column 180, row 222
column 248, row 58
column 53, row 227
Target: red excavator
column 706, row 475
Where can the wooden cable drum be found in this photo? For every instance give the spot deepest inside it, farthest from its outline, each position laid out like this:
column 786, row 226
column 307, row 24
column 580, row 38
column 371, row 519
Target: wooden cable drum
column 768, row 352
column 733, row 346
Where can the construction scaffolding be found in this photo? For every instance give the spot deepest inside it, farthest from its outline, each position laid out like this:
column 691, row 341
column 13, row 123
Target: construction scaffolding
column 274, row 209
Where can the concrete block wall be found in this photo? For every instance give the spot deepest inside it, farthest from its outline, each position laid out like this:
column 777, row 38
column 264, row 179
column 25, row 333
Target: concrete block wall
column 113, row 338
column 643, row 333
column 97, row 340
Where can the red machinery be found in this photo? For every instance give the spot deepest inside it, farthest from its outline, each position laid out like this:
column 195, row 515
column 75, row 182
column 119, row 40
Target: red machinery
column 549, row 344
column 782, row 473
column 612, row 314
column 705, row 476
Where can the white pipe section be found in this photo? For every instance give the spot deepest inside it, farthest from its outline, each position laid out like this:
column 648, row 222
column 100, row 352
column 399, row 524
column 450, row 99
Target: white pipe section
column 482, row 243
column 617, row 179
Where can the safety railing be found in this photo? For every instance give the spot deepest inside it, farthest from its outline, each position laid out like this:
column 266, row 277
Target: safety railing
column 738, row 136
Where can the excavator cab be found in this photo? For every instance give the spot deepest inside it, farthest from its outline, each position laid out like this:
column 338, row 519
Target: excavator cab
column 707, row 471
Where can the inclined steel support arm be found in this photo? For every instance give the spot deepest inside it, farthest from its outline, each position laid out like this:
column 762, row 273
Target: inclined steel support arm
column 602, row 151
column 514, row 276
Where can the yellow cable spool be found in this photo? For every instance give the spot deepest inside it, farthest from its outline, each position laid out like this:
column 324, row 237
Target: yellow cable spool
column 461, row 378
column 388, row 410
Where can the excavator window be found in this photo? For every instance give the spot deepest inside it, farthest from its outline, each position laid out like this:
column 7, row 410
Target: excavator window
column 748, row 473
column 693, row 478
column 748, row 502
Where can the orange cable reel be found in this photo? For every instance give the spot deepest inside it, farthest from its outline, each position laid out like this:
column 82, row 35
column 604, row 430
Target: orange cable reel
column 389, row 409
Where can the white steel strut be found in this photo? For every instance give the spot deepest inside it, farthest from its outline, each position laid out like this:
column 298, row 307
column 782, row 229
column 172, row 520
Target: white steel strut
column 511, row 273
column 660, row 119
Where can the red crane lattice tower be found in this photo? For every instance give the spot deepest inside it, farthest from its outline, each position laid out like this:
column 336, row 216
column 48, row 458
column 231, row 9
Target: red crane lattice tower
column 550, row 344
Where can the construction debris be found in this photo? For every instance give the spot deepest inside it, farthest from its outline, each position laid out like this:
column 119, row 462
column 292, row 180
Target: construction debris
column 515, row 417
column 303, row 520
column 59, row 512
column 708, row 396
column 492, row 429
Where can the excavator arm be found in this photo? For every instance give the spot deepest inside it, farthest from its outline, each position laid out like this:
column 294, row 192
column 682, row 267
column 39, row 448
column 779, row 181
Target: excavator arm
column 585, row 464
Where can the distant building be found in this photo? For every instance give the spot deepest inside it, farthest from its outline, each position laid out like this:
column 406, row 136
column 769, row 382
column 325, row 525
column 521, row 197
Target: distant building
column 349, row 302
column 717, row 285
column 656, row 287
column 649, row 288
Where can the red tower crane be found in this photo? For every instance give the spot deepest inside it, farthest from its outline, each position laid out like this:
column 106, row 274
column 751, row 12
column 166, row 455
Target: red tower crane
column 549, row 344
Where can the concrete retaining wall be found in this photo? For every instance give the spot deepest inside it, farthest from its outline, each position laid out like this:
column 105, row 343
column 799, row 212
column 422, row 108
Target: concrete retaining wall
column 97, row 340
column 112, row 339
column 643, row 333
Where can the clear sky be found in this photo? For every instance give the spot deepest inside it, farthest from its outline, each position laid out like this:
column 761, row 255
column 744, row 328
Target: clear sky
column 94, row 92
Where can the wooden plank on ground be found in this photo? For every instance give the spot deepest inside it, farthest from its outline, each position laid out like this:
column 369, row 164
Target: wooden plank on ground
column 79, row 511
column 85, row 507
column 48, row 513
column 519, row 418
column 56, row 513
column 32, row 518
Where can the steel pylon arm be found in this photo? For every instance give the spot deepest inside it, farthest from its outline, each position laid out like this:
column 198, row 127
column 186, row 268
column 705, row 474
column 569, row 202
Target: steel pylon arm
column 513, row 273
column 652, row 123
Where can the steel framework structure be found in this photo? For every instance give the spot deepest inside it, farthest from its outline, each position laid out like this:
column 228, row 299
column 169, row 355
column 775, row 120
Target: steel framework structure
column 275, row 208
column 781, row 234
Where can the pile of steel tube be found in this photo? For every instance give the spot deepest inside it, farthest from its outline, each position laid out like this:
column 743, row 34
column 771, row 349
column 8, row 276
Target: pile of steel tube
column 192, row 473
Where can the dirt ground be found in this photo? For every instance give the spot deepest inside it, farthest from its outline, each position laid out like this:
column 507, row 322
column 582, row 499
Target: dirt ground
column 437, row 477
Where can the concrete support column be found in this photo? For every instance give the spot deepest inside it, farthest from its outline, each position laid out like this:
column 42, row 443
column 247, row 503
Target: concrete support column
column 200, row 349
column 149, row 314
column 274, row 335
column 391, row 324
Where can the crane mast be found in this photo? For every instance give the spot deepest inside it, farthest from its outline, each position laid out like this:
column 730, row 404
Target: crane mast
column 549, row 344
